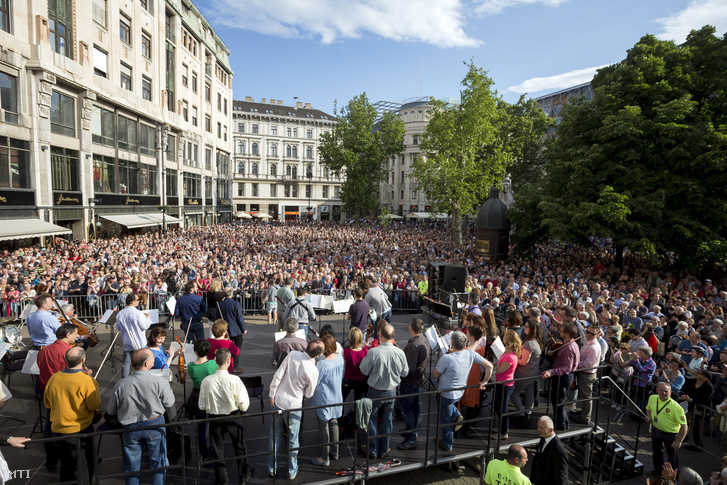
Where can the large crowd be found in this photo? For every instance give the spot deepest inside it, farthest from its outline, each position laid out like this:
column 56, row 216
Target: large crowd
column 660, row 330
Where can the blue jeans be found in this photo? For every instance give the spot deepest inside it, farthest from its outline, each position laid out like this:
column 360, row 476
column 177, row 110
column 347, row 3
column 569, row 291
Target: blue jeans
column 197, row 331
column 276, row 434
column 558, row 387
column 386, row 315
column 410, row 408
column 156, row 446
column 381, row 445
column 502, row 397
column 447, row 414
column 126, row 363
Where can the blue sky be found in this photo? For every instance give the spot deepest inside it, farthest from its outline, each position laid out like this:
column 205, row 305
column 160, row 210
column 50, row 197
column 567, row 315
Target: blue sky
column 327, row 50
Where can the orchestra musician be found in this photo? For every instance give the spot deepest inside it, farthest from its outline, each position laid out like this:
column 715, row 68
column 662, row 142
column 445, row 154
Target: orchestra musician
column 42, row 325
column 69, row 312
column 132, row 324
column 567, row 357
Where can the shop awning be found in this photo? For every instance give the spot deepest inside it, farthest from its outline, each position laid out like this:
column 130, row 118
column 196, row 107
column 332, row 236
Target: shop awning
column 394, row 216
column 24, row 228
column 132, row 221
column 243, row 215
column 262, row 215
column 426, row 215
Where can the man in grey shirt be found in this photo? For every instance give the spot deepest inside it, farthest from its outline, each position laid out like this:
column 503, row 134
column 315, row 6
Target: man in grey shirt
column 301, row 310
column 384, row 365
column 139, row 400
column 284, row 295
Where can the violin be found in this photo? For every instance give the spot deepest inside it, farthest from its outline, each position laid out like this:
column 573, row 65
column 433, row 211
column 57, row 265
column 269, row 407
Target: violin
column 181, row 371
column 93, row 339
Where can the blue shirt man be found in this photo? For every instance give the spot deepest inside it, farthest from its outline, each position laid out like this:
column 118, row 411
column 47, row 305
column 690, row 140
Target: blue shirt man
column 190, row 308
column 42, row 325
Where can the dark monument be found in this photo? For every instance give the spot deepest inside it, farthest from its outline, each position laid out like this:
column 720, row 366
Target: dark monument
column 493, row 229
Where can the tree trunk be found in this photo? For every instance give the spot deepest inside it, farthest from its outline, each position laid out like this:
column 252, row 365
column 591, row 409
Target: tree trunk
column 456, row 229
column 618, row 247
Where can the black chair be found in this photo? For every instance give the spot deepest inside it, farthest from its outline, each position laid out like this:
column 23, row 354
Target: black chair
column 12, row 363
column 255, row 388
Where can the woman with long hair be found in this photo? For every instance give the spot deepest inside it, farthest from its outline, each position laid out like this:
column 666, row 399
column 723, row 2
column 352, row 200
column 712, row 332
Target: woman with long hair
column 353, row 378
column 528, row 368
column 504, row 373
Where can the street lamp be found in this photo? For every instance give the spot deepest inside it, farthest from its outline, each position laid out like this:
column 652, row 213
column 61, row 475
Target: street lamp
column 162, row 146
column 309, row 175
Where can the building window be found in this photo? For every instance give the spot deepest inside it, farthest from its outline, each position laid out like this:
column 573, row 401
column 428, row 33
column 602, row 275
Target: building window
column 146, row 88
column 289, row 131
column 185, row 110
column 253, row 168
column 207, row 124
column 194, row 116
column 128, row 177
column 102, row 126
column 170, row 65
column 255, row 129
column 288, row 151
column 254, row 190
column 60, row 21
column 171, row 183
column 207, row 92
column 336, row 191
column 63, row 114
column 308, row 190
column 308, row 152
column 274, row 150
column 104, row 174
column 148, row 180
column 415, row 139
column 100, row 62
column 255, row 149
column 64, row 168
column 241, row 190
column 171, row 148
column 9, row 96
column 126, row 134
column 194, row 82
column 147, row 140
column 241, row 127
column 295, row 132
column 147, row 5
column 325, row 191
column 219, row 130
column 274, row 169
column 125, row 29
column 224, row 106
column 273, row 190
column 208, row 158
column 274, row 130
column 146, row 45
column 126, row 77
column 295, row 150
column 191, row 185
column 241, row 168
column 98, row 11
column 219, row 102
column 14, row 163
column 185, row 74
column 241, row 148
column 309, row 134
column 402, row 195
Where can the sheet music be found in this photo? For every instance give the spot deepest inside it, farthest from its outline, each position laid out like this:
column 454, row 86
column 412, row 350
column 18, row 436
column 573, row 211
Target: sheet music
column 431, row 335
column 153, row 315
column 300, row 334
column 105, row 318
column 171, row 304
column 444, row 343
column 498, row 348
column 4, row 348
column 315, row 300
column 342, row 306
column 30, row 366
column 327, row 302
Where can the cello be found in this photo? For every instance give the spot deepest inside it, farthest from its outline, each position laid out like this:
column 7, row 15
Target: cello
column 82, row 329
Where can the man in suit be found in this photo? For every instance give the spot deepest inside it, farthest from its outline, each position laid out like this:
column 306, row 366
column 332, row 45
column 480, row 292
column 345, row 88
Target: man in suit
column 550, row 463
column 231, row 312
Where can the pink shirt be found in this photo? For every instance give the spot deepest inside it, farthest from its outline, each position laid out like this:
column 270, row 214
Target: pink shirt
column 511, row 358
column 353, row 359
column 216, row 344
column 590, row 356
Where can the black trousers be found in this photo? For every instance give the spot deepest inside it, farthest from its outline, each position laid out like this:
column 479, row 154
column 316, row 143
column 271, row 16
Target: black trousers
column 71, row 455
column 659, row 441
column 237, row 340
column 233, row 428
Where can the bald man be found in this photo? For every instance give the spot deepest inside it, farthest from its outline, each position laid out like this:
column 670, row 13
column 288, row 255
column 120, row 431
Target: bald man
column 508, row 470
column 550, row 463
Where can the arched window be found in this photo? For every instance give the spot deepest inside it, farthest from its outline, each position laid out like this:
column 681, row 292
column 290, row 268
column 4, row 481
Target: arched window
column 295, row 171
column 274, row 150
column 288, row 170
column 325, row 172
column 241, row 148
column 308, row 152
column 253, row 168
column 288, row 151
column 295, row 151
column 274, row 169
column 254, row 149
column 240, row 167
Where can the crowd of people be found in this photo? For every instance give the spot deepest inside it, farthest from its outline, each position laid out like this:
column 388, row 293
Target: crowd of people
column 545, row 320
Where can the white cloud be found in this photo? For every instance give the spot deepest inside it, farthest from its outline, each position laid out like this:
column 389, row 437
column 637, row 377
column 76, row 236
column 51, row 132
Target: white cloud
column 697, row 14
column 553, row 83
column 492, row 7
column 436, row 22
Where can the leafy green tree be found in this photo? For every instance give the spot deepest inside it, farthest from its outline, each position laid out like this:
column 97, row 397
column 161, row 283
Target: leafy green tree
column 643, row 162
column 468, row 148
column 359, row 145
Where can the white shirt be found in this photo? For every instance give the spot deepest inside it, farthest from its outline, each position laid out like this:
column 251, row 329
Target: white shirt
column 223, row 393
column 133, row 326
column 295, row 379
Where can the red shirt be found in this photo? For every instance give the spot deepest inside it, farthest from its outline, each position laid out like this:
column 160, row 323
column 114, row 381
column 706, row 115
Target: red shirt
column 216, row 344
column 52, row 359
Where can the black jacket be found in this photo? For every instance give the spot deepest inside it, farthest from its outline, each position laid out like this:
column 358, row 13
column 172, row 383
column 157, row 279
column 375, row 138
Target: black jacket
column 551, row 466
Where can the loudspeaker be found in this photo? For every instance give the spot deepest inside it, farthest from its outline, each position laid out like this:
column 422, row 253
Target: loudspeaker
column 435, row 271
column 454, row 276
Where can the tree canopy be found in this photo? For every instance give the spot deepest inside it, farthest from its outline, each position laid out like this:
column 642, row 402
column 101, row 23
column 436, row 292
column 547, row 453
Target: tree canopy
column 358, row 145
column 643, row 162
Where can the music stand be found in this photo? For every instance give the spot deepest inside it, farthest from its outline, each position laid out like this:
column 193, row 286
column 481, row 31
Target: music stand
column 110, row 322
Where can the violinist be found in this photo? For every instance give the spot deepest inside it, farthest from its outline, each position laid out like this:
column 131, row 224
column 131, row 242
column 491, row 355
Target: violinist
column 566, row 361
column 69, row 311
column 155, row 343
column 133, row 325
column 42, row 325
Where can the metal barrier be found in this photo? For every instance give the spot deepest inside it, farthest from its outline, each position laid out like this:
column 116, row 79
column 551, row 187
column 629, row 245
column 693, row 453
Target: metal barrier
column 92, row 307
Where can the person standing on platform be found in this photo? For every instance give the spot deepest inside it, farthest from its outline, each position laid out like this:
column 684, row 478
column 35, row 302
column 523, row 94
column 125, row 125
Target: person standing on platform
column 328, row 392
column 231, row 311
column 190, row 308
column 669, row 427
column 589, row 359
column 284, row 295
column 132, row 324
column 550, row 463
column 377, row 298
column 287, row 344
column 271, row 303
column 566, row 362
column 384, row 365
column 301, row 310
column 220, row 340
column 73, row 398
column 417, row 351
column 509, row 470
column 358, row 312
column 223, row 394
column 140, row 400
column 42, row 325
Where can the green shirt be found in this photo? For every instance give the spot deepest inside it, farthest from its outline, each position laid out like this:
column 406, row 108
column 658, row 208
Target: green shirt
column 423, row 287
column 197, row 372
column 500, row 472
column 667, row 417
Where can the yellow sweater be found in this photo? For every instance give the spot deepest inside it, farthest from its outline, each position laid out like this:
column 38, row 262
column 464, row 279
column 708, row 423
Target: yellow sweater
column 72, row 398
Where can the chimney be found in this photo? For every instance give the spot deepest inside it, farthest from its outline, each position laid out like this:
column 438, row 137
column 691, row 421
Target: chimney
column 263, row 100
column 248, row 98
column 307, row 105
column 280, row 102
column 272, row 101
column 298, row 104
